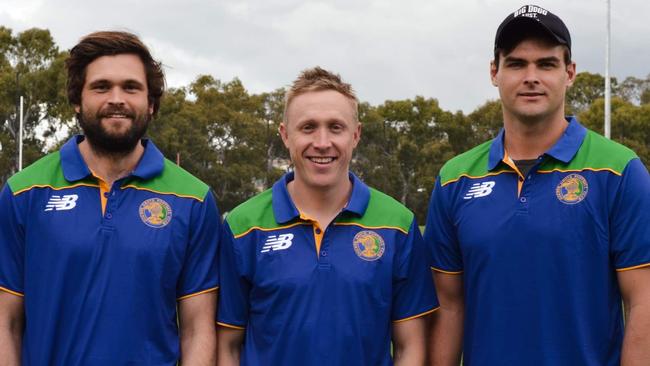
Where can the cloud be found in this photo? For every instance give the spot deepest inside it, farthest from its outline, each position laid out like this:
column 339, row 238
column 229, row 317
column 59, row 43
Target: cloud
column 386, row 49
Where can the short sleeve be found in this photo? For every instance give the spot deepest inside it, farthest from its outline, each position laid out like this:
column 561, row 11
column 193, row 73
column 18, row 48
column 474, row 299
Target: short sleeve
column 235, row 288
column 440, row 234
column 630, row 219
column 414, row 293
column 200, row 273
column 12, row 245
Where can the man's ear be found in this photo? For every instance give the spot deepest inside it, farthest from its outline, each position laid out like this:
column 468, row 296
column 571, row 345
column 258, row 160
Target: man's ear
column 571, row 73
column 282, row 130
column 493, row 73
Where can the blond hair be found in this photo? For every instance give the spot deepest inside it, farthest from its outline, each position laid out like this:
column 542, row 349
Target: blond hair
column 319, row 79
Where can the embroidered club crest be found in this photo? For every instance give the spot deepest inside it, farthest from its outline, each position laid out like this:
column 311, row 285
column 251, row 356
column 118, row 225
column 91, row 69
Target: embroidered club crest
column 368, row 245
column 155, row 212
column 572, row 189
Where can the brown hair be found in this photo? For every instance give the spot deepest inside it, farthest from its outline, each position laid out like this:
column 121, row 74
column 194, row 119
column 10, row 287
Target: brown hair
column 526, row 34
column 111, row 43
column 318, row 79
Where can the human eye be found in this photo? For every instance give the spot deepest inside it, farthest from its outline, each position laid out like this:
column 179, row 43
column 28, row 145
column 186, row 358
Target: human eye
column 132, row 87
column 548, row 65
column 307, row 127
column 100, row 87
column 514, row 64
column 337, row 127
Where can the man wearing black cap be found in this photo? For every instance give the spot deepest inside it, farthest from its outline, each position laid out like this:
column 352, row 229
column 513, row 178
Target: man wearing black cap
column 537, row 235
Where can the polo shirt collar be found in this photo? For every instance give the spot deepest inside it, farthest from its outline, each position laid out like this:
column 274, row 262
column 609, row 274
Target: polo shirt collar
column 285, row 210
column 74, row 167
column 563, row 150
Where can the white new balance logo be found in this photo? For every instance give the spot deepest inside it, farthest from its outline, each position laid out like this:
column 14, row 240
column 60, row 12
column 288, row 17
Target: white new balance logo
column 277, row 242
column 58, row 203
column 479, row 190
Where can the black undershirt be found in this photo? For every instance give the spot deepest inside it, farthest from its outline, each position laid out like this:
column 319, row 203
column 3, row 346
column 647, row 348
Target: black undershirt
column 525, row 165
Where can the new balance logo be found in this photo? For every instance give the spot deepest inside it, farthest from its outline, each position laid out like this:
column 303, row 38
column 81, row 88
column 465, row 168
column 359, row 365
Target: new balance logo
column 479, row 190
column 60, row 203
column 277, row 242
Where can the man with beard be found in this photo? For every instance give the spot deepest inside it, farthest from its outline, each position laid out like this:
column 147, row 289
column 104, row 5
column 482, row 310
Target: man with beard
column 102, row 241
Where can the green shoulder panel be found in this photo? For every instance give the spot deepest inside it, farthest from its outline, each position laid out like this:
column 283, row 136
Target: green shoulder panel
column 383, row 211
column 255, row 212
column 45, row 172
column 595, row 153
column 472, row 163
column 173, row 180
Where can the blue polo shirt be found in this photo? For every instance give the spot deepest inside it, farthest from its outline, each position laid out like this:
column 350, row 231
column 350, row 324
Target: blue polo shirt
column 101, row 284
column 322, row 296
column 539, row 254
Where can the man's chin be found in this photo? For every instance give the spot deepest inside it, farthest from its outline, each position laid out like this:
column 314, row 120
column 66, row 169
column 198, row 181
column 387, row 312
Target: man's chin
column 112, row 145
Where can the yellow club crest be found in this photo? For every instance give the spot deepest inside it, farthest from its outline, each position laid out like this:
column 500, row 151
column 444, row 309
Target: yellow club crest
column 368, row 245
column 572, row 189
column 155, row 212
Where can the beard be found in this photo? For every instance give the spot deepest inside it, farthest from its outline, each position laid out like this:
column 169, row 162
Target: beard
column 110, row 144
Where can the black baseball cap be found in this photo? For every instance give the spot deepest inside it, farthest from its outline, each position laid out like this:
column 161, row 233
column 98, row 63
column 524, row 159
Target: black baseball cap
column 531, row 17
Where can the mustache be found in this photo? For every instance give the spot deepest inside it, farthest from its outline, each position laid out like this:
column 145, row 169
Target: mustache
column 106, row 112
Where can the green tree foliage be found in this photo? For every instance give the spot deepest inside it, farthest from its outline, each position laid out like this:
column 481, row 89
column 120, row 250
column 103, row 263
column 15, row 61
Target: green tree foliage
column 222, row 134
column 228, row 137
column 630, row 124
column 585, row 90
column 404, row 144
column 31, row 65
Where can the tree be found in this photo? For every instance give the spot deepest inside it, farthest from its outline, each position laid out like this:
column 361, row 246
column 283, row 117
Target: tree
column 31, row 65
column 586, row 88
column 223, row 136
column 630, row 124
column 635, row 90
column 404, row 144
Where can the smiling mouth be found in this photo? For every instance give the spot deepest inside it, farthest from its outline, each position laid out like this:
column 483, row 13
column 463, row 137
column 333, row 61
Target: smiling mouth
column 321, row 160
column 116, row 115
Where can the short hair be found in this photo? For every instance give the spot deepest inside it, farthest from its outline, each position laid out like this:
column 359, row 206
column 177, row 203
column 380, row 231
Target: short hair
column 111, row 43
column 527, row 34
column 318, row 79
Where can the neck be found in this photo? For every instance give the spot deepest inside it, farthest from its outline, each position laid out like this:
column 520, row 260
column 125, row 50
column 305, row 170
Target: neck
column 530, row 139
column 322, row 205
column 110, row 167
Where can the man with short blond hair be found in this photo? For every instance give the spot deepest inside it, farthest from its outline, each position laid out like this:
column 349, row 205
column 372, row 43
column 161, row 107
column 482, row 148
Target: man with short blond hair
column 323, row 270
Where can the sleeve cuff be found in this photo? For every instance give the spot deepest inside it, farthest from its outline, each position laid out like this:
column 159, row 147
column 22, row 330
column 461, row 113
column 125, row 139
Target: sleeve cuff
column 632, row 267
column 446, row 272
column 230, row 326
column 11, row 292
column 197, row 293
column 417, row 315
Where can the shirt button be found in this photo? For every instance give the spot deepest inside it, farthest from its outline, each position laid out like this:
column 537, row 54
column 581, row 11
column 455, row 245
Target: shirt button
column 106, row 194
column 521, row 179
column 317, row 231
column 323, row 253
column 109, row 216
column 522, row 200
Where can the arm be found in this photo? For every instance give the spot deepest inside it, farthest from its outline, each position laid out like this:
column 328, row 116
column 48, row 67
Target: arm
column 197, row 332
column 12, row 321
column 446, row 341
column 229, row 345
column 409, row 341
column 635, row 289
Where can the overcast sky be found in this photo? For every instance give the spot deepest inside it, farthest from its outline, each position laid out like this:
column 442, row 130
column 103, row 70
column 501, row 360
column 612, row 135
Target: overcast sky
column 386, row 49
